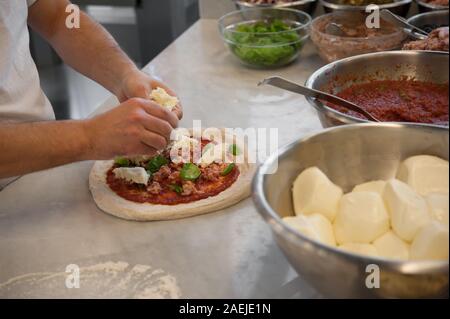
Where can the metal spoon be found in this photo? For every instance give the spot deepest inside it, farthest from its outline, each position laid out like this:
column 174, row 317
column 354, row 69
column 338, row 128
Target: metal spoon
column 393, row 18
column 334, row 28
column 303, row 90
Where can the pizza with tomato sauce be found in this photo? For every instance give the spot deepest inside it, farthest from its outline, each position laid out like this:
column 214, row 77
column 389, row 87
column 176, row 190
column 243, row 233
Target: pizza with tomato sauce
column 192, row 176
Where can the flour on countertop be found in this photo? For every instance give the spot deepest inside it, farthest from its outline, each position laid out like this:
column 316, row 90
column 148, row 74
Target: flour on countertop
column 104, row 280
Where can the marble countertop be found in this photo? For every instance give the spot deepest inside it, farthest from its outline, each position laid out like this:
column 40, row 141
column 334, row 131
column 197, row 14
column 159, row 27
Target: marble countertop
column 48, row 219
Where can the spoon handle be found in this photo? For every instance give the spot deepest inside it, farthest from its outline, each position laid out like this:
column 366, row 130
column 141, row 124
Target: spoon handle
column 393, row 18
column 303, row 90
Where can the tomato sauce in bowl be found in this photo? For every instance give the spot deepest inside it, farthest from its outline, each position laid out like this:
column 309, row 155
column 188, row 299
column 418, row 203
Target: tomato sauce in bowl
column 399, row 101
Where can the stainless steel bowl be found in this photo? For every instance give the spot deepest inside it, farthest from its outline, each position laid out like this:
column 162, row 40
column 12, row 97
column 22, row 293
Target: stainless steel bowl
column 421, row 65
column 349, row 155
column 307, row 6
column 432, row 18
column 400, row 7
column 427, row 7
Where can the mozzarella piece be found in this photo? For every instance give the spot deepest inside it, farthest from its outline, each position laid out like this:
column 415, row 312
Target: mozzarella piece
column 161, row 97
column 425, row 174
column 362, row 217
column 136, row 175
column 431, row 243
column 438, row 207
column 217, row 153
column 186, row 143
column 408, row 210
column 374, row 186
column 315, row 226
column 313, row 193
column 391, row 246
column 360, row 249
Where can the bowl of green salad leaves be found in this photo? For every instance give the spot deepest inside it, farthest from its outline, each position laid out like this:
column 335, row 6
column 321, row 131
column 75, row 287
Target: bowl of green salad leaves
column 265, row 37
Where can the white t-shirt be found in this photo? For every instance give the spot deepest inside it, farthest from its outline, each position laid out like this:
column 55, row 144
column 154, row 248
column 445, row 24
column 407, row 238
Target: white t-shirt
column 21, row 96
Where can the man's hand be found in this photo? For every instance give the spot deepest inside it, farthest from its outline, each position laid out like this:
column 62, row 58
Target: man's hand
column 138, row 84
column 136, row 127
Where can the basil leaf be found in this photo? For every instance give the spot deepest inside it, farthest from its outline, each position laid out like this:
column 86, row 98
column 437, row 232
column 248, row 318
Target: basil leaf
column 190, row 172
column 155, row 163
column 234, row 149
column 122, row 161
column 176, row 188
column 228, row 169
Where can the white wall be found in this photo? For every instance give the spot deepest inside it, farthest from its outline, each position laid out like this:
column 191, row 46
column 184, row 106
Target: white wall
column 214, row 9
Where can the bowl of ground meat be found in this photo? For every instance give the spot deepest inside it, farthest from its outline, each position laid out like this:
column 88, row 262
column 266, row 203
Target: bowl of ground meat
column 394, row 86
column 432, row 5
column 434, row 22
column 341, row 34
column 437, row 40
column 307, row 6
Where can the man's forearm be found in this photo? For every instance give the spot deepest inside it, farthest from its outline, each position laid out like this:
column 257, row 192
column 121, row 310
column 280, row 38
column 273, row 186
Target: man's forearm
column 135, row 127
column 90, row 49
column 94, row 52
column 31, row 147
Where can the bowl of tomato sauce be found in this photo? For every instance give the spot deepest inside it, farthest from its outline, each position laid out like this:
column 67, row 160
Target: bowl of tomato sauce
column 394, row 86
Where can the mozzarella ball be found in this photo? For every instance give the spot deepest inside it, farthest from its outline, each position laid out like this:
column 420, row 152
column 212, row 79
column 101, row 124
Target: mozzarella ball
column 375, row 186
column 431, row 243
column 360, row 249
column 314, row 193
column 361, row 218
column 438, row 207
column 314, row 226
column 425, row 174
column 408, row 210
column 391, row 246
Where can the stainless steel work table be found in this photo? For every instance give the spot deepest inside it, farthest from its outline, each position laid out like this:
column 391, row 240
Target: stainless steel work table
column 48, row 219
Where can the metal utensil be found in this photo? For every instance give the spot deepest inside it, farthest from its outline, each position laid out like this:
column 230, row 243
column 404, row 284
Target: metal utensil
column 393, row 18
column 300, row 89
column 334, row 29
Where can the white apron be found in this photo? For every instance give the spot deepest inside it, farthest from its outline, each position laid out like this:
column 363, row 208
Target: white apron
column 21, row 96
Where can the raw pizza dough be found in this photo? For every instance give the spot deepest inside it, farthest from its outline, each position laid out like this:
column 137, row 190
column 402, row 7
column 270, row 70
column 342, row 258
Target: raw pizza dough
column 113, row 204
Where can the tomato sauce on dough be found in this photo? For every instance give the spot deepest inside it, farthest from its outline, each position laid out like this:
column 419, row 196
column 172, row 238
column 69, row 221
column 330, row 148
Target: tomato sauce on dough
column 211, row 182
column 167, row 196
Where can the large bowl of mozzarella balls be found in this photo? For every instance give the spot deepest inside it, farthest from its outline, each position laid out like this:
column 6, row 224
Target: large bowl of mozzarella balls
column 363, row 210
